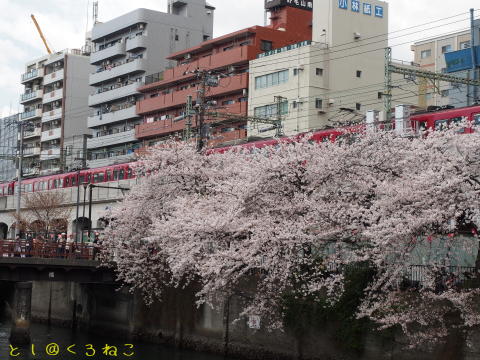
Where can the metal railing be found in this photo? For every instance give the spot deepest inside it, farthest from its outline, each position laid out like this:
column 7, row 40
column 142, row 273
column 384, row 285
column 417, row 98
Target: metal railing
column 150, row 79
column 47, row 250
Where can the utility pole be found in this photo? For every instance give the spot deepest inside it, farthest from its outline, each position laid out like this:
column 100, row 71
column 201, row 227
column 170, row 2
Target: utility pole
column 201, row 110
column 19, row 177
column 188, row 124
column 279, row 127
column 474, row 55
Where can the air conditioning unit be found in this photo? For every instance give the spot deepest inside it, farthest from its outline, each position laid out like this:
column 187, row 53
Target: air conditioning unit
column 357, row 36
column 141, row 26
column 245, row 92
column 188, row 56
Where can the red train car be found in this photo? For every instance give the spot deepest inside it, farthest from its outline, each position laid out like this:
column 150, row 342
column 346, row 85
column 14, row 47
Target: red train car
column 72, row 179
column 440, row 119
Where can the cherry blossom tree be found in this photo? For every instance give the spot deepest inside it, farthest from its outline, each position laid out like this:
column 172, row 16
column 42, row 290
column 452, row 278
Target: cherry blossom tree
column 289, row 219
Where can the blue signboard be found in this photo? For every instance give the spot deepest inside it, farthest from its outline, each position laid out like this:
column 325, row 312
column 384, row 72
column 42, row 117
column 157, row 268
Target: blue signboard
column 343, row 4
column 460, row 60
column 379, row 11
column 355, row 6
column 367, row 9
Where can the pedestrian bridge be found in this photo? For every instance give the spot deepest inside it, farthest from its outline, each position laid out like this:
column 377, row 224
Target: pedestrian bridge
column 22, row 261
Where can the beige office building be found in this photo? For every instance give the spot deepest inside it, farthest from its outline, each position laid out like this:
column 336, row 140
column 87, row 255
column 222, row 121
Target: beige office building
column 430, row 55
column 332, row 80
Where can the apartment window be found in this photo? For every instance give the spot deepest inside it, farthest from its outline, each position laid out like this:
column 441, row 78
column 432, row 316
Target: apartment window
column 358, row 106
column 228, row 48
column 445, row 93
column 443, row 70
column 177, row 37
column 319, row 72
column 359, row 73
column 206, row 37
column 429, row 96
column 243, row 99
column 319, row 103
column 295, row 72
column 425, row 53
column 464, row 44
column 266, row 45
column 228, row 102
column 446, row 49
column 277, row 78
column 295, row 104
column 245, row 43
column 271, row 110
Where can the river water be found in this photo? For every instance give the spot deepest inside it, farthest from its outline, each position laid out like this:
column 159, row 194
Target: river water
column 42, row 335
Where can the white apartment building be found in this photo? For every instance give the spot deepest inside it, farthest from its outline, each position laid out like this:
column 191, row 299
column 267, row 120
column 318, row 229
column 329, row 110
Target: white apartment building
column 126, row 49
column 55, row 104
column 333, row 79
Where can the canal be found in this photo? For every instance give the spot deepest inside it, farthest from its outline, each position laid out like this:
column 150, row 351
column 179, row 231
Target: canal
column 43, row 335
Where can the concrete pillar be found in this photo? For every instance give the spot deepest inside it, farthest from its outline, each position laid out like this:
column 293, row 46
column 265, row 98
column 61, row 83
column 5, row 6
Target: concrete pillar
column 21, row 314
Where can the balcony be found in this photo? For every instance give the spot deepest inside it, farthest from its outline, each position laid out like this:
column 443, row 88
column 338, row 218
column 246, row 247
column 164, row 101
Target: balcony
column 51, row 134
column 115, row 70
column 32, row 75
column 31, row 96
column 119, row 159
column 113, row 139
column 116, row 93
column 115, row 50
column 31, row 134
column 51, row 153
column 50, row 171
column 52, row 115
column 31, row 151
column 53, row 96
column 30, row 171
column 178, row 98
column 238, row 55
column 52, row 77
column 165, row 127
column 112, row 117
column 30, row 115
column 138, row 42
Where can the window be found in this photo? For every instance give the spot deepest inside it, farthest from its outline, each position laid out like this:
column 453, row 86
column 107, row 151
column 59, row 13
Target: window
column 425, row 53
column 177, row 37
column 228, row 48
column 266, row 45
column 445, row 93
column 228, row 102
column 318, row 103
column 444, row 70
column 265, row 81
column 476, row 119
column 358, row 106
column 295, row 72
column 243, row 99
column 359, row 73
column 319, row 71
column 245, row 43
column 99, row 177
column 446, row 48
column 271, row 110
column 464, row 45
column 441, row 124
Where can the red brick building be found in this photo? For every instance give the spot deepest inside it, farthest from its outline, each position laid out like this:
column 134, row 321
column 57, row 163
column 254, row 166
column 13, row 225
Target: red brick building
column 165, row 95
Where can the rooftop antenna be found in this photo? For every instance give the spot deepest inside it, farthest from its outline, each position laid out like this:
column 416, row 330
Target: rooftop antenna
column 95, row 12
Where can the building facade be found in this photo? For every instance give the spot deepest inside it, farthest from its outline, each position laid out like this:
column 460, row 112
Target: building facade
column 227, row 59
column 431, row 55
column 331, row 81
column 55, row 107
column 125, row 50
column 8, row 147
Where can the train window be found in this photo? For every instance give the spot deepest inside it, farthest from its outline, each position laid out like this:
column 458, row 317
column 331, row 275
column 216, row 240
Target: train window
column 441, row 124
column 99, row 177
column 476, row 119
column 115, row 174
column 67, row 182
column 45, row 185
column 109, row 175
column 10, row 190
column 29, row 188
column 129, row 173
column 74, row 180
column 122, row 174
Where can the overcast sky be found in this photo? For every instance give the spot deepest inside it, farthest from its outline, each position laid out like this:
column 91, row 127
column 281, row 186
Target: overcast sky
column 64, row 23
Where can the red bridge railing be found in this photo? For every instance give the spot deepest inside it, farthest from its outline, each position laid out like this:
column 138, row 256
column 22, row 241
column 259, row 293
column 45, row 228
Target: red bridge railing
column 47, row 250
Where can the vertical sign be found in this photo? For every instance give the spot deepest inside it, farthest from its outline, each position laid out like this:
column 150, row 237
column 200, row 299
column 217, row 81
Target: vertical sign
column 355, row 6
column 367, row 9
column 379, row 11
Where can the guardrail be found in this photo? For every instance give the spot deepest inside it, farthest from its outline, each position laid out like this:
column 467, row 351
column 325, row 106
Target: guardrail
column 47, row 250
